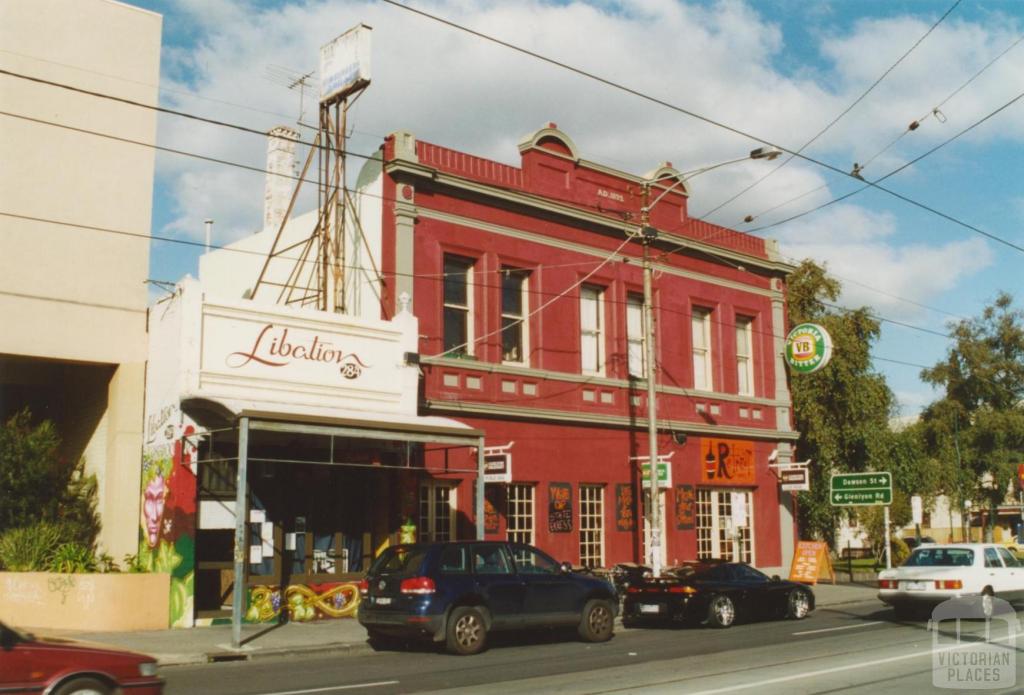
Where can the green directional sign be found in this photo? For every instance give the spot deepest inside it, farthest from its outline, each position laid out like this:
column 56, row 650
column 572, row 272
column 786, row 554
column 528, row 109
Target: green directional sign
column 857, row 489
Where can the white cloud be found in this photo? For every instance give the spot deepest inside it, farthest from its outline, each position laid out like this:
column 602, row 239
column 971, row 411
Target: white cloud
column 456, row 90
column 859, row 248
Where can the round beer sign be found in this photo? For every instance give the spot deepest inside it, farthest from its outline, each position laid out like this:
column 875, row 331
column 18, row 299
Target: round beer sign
column 808, row 348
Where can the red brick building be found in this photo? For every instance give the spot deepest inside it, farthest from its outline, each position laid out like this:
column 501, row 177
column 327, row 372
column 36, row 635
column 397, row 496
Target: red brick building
column 529, row 305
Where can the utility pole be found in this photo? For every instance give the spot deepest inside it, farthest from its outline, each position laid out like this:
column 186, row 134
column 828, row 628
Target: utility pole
column 647, row 236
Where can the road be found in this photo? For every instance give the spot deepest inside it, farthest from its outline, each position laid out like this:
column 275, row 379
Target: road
column 854, row 648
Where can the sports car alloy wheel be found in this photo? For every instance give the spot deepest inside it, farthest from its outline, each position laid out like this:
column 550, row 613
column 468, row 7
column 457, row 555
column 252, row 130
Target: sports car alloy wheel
column 721, row 612
column 799, row 605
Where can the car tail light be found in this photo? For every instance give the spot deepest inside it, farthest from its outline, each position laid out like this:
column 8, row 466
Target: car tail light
column 887, row 583
column 633, row 590
column 417, row 585
column 949, row 584
column 682, row 590
column 364, row 587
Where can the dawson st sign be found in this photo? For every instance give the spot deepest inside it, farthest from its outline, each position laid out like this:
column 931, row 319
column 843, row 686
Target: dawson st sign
column 860, row 489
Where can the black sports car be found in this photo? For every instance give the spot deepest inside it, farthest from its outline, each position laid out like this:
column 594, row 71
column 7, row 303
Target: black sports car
column 717, row 594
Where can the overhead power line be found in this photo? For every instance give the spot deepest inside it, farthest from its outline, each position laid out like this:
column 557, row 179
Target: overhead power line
column 679, row 109
column 841, row 115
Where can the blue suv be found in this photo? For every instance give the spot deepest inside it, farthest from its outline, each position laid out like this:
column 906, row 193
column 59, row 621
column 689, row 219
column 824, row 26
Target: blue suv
column 460, row 591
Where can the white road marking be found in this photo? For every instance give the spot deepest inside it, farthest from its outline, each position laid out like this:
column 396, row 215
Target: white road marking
column 849, row 667
column 332, row 688
column 832, row 629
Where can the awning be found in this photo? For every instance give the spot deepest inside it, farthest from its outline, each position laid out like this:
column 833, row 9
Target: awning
column 281, row 417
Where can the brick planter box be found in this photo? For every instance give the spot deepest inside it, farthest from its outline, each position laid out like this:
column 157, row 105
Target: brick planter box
column 93, row 602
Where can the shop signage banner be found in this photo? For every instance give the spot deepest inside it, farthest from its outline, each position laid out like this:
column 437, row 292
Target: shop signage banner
column 727, row 462
column 559, row 507
column 498, row 468
column 345, row 64
column 625, row 517
column 795, row 479
column 808, row 348
column 291, row 357
column 685, row 507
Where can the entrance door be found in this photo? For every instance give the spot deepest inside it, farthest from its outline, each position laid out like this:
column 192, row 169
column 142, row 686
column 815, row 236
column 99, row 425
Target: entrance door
column 725, row 524
column 661, row 525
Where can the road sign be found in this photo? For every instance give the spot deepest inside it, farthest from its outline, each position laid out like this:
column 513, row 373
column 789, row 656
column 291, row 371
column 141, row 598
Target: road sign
column 857, row 489
column 664, row 474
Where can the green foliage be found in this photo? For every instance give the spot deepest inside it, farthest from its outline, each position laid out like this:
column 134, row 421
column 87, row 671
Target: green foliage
column 133, row 563
column 842, row 411
column 30, row 549
column 37, row 486
column 105, row 562
column 978, row 424
column 72, row 557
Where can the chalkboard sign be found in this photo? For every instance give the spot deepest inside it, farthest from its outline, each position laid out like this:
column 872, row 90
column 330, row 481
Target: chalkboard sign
column 685, row 499
column 559, row 507
column 811, row 563
column 625, row 517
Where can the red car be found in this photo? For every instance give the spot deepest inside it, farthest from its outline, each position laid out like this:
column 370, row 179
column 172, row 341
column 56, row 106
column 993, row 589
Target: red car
column 59, row 667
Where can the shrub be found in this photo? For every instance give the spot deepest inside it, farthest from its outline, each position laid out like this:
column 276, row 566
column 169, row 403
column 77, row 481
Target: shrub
column 36, row 485
column 899, row 549
column 30, row 549
column 72, row 557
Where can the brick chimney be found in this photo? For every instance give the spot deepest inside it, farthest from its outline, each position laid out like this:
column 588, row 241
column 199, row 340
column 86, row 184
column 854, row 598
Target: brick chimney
column 280, row 175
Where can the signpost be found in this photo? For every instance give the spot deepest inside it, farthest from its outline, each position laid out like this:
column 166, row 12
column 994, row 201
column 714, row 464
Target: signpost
column 860, row 489
column 864, row 490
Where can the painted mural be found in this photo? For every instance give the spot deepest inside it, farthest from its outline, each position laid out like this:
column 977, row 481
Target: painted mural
column 304, row 602
column 168, row 511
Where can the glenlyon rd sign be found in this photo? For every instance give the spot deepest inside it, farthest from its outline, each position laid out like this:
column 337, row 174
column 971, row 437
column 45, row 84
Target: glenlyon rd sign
column 856, row 489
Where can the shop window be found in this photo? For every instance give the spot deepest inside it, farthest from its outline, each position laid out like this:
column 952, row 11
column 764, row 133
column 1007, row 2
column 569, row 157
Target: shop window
column 700, row 326
column 519, row 522
column 744, row 356
column 591, row 525
column 515, row 337
column 437, row 512
column 458, row 306
column 636, row 337
column 592, row 329
column 725, row 524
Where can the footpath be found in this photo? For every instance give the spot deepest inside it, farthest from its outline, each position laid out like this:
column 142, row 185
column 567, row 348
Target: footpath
column 342, row 637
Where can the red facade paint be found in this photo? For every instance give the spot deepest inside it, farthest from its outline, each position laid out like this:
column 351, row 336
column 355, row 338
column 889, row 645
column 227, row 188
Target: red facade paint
column 557, row 218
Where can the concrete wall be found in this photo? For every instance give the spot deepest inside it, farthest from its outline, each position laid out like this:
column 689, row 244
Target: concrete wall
column 94, row 602
column 67, row 292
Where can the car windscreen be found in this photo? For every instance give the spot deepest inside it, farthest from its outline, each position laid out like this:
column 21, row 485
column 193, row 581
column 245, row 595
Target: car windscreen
column 940, row 557
column 399, row 561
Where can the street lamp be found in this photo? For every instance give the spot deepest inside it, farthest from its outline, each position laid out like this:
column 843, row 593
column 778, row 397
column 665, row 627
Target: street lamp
column 648, row 235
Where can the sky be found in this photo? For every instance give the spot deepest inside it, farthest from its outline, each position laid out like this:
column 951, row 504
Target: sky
column 739, row 74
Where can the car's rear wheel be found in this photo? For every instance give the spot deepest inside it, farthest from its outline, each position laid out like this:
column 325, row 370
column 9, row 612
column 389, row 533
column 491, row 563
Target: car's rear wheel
column 798, row 604
column 466, row 632
column 83, row 686
column 721, row 611
column 598, row 621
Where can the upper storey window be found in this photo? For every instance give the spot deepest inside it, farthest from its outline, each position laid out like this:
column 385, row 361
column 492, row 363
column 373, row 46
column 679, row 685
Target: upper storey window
column 592, row 329
column 636, row 337
column 744, row 355
column 700, row 326
column 515, row 338
column 458, row 306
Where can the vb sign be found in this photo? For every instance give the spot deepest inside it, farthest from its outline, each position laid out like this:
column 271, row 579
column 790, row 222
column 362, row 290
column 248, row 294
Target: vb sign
column 808, row 348
column 860, row 489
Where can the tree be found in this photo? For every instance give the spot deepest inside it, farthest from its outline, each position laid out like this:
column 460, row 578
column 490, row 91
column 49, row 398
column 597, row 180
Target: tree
column 37, row 486
column 980, row 419
column 841, row 411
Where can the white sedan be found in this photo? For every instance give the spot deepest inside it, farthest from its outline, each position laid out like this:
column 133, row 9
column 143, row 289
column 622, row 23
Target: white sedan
column 937, row 572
